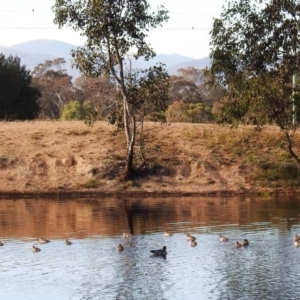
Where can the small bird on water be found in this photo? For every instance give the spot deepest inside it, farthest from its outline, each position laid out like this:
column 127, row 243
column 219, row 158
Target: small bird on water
column 223, row 238
column 119, row 248
column 297, row 243
column 193, row 243
column 168, row 233
column 35, row 249
column 238, row 245
column 161, row 252
column 190, row 237
column 43, row 241
column 296, row 237
column 245, row 242
column 126, row 234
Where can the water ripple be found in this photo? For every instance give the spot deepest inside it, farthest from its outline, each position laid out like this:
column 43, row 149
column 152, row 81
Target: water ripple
column 91, row 268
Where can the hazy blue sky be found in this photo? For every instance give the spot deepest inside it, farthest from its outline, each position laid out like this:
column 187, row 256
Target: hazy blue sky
column 18, row 24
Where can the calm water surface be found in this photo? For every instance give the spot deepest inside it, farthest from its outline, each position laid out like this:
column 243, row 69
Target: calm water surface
column 91, row 268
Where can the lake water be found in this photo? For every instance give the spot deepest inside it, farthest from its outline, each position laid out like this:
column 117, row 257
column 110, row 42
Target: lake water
column 91, row 268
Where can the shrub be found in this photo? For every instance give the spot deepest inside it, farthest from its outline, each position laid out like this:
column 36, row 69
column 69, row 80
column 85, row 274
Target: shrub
column 180, row 111
column 76, row 110
column 91, row 183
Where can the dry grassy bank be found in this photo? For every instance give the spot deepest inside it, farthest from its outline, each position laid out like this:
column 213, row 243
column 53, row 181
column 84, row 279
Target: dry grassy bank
column 68, row 156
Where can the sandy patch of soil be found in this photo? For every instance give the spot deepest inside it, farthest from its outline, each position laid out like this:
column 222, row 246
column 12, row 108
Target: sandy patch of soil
column 70, row 156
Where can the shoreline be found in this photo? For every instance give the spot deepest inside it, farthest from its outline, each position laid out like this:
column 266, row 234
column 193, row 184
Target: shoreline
column 145, row 194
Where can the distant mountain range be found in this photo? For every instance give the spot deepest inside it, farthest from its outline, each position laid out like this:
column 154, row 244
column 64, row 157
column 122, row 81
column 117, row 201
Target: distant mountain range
column 35, row 52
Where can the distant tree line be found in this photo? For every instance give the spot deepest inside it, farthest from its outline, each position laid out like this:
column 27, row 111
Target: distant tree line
column 18, row 97
column 49, row 92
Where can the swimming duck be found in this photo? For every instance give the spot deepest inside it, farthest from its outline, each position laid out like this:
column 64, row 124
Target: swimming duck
column 68, row 242
column 35, row 249
column 1, row 244
column 296, row 237
column 245, row 242
column 193, row 243
column 223, row 238
column 238, row 245
column 190, row 237
column 43, row 241
column 119, row 248
column 168, row 233
column 297, row 243
column 160, row 252
column 126, row 234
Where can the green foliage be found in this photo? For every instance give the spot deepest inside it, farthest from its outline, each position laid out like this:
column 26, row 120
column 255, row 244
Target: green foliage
column 91, row 183
column 75, row 110
column 148, row 91
column 157, row 117
column 113, row 29
column 18, row 99
column 184, row 90
column 115, row 116
column 255, row 54
column 279, row 171
column 179, row 111
column 108, row 161
column 55, row 85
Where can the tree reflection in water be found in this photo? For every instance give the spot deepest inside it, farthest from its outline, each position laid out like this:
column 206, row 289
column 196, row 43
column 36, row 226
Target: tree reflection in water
column 92, row 268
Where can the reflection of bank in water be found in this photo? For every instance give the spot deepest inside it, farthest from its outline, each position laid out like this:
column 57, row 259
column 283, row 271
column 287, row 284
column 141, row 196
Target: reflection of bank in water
column 109, row 217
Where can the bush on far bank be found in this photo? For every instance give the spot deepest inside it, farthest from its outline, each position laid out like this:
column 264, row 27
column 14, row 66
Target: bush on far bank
column 76, row 110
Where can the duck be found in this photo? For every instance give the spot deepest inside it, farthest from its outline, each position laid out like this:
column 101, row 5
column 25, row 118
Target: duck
column 168, row 233
column 296, row 237
column 245, row 242
column 297, row 243
column 35, row 249
column 193, row 243
column 161, row 252
column 119, row 248
column 190, row 237
column 238, row 245
column 43, row 241
column 126, row 234
column 68, row 242
column 223, row 238
column 1, row 244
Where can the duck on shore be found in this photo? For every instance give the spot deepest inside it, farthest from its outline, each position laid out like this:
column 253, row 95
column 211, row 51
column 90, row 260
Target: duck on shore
column 68, row 243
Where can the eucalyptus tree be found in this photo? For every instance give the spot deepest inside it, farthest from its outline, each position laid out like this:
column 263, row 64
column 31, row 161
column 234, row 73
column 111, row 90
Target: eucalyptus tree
column 255, row 55
column 55, row 85
column 113, row 29
column 100, row 92
column 184, row 90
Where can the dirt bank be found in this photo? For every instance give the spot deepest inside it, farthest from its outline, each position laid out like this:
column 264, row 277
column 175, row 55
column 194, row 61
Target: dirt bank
column 72, row 159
